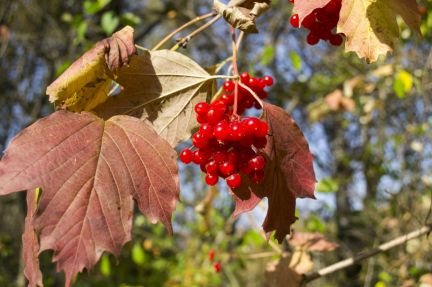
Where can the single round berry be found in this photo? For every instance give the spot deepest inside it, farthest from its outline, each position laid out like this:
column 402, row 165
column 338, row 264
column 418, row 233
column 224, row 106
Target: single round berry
column 199, row 140
column 237, row 131
column 217, row 267
column 251, row 125
column 212, row 167
column 206, row 130
column 268, row 80
column 262, row 130
column 186, row 156
column 202, row 108
column 214, row 115
column 295, row 21
column 201, row 119
column 244, row 78
column 312, row 39
column 211, row 179
column 221, row 131
column 234, row 181
column 336, row 40
column 257, row 163
column 220, row 156
column 309, row 20
column 197, row 157
column 227, row 168
column 253, row 83
column 229, row 86
column 228, row 99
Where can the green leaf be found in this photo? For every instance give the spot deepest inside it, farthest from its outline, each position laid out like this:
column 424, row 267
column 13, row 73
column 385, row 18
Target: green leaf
column 105, row 266
column 267, row 55
column 327, row 185
column 403, row 84
column 109, row 22
column 129, row 18
column 385, row 277
column 138, row 254
column 380, row 284
column 92, row 7
column 296, row 60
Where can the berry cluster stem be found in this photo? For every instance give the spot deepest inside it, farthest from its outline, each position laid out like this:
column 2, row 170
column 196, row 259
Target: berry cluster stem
column 235, row 69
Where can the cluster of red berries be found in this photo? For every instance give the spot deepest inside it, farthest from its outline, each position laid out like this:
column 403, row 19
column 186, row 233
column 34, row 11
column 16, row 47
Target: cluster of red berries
column 321, row 23
column 216, row 266
column 226, row 144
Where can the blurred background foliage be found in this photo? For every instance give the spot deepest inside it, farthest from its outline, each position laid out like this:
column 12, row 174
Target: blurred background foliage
column 369, row 127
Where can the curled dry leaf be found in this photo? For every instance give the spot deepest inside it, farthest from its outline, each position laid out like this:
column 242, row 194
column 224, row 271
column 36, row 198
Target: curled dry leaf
column 312, row 242
column 336, row 101
column 161, row 87
column 241, row 14
column 289, row 174
column 87, row 82
column 371, row 27
column 90, row 171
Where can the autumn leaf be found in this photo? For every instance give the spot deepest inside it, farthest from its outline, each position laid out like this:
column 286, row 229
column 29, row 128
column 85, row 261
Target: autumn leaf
column 371, row 27
column 31, row 243
column 311, row 242
column 87, row 82
column 161, row 87
column 289, row 174
column 90, row 171
column 280, row 274
column 241, row 14
column 306, row 7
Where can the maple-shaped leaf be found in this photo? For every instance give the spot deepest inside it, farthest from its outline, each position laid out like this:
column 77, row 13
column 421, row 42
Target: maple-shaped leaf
column 161, row 87
column 241, row 14
column 289, row 174
column 30, row 254
column 371, row 27
column 90, row 171
column 87, row 82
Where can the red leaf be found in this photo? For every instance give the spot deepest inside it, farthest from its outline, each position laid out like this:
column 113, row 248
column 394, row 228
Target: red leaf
column 305, row 7
column 90, row 170
column 289, row 174
column 31, row 245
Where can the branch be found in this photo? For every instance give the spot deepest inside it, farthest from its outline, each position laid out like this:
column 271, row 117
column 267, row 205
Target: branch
column 366, row 254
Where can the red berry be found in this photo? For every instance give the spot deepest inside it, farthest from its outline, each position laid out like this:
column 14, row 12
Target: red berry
column 253, row 83
column 228, row 99
column 227, row 168
column 217, row 267
column 262, row 130
column 221, row 131
column 312, row 39
column 199, row 140
column 211, row 254
column 245, row 168
column 234, row 180
column 186, row 156
column 251, row 125
column 244, row 77
column 309, row 20
column 292, row 1
column 229, row 86
column 237, row 131
column 197, row 157
column 257, row 176
column 268, row 80
column 257, row 163
column 202, row 108
column 214, row 115
column 212, row 167
column 295, row 21
column 336, row 39
column 220, row 156
column 232, row 156
column 211, row 179
column 206, row 130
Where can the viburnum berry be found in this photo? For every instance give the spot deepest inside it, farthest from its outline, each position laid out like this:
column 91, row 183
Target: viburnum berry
column 186, row 156
column 226, row 144
column 217, row 267
column 322, row 24
column 211, row 254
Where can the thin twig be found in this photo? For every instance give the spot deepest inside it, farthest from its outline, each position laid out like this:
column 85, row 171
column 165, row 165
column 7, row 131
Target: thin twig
column 366, row 254
column 252, row 93
column 181, row 28
column 183, row 41
column 235, row 69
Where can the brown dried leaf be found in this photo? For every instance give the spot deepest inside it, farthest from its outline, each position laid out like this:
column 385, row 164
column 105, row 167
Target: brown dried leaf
column 161, row 87
column 241, row 14
column 371, row 27
column 336, row 101
column 86, row 83
column 279, row 274
column 312, row 242
column 301, row 262
column 31, row 244
column 90, row 171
